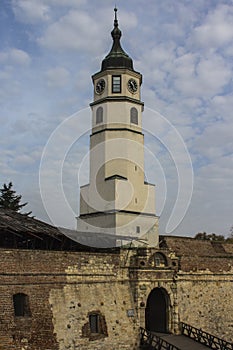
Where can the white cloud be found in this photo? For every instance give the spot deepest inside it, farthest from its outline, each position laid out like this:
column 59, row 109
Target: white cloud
column 216, row 141
column 70, row 3
column 217, row 29
column 24, row 160
column 10, row 89
column 15, row 56
column 78, row 30
column 214, row 73
column 57, row 77
column 199, row 76
column 222, row 106
column 72, row 31
column 128, row 19
column 30, row 11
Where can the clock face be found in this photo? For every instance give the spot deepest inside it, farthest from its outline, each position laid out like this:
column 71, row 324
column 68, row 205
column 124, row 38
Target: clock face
column 132, row 85
column 100, row 86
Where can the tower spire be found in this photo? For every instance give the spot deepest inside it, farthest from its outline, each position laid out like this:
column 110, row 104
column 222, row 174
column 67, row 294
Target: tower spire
column 117, row 57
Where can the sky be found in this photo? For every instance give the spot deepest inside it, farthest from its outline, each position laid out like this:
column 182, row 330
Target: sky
column 49, row 50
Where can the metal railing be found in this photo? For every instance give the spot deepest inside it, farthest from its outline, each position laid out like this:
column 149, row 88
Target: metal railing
column 205, row 338
column 153, row 342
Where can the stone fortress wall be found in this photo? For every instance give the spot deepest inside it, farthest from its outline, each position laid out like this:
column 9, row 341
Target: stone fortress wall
column 67, row 289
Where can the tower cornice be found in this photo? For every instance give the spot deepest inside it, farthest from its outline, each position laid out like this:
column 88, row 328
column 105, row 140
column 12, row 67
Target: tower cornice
column 117, row 99
column 113, row 129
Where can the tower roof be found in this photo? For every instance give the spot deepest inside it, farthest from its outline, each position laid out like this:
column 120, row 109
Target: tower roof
column 117, row 57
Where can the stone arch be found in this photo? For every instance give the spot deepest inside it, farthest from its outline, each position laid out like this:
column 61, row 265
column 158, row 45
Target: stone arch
column 157, row 311
column 160, row 260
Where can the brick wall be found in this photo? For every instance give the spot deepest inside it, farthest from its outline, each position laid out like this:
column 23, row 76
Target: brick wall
column 65, row 288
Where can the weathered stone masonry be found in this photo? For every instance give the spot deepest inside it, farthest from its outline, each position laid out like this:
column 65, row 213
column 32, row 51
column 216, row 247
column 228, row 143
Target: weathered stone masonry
column 65, row 288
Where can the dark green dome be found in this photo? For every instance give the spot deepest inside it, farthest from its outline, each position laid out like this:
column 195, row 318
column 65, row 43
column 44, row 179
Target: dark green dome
column 117, row 57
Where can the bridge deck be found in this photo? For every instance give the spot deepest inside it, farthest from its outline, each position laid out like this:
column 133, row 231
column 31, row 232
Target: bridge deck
column 182, row 342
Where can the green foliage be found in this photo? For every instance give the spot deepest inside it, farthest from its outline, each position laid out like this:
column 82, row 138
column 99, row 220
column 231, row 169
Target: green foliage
column 213, row 237
column 231, row 231
column 209, row 237
column 9, row 199
column 230, row 237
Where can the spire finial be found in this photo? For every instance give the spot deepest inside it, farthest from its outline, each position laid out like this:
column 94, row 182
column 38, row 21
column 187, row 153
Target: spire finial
column 115, row 20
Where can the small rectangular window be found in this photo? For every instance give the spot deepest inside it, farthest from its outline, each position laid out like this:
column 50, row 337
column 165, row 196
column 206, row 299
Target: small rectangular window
column 116, row 83
column 94, row 323
column 21, row 305
column 138, row 229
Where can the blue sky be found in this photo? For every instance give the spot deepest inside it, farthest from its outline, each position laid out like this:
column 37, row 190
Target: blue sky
column 50, row 48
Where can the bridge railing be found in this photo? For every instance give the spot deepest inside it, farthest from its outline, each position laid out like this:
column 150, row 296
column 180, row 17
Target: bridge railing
column 205, row 338
column 154, row 342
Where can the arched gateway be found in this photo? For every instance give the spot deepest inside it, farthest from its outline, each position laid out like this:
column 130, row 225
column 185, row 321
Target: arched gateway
column 157, row 310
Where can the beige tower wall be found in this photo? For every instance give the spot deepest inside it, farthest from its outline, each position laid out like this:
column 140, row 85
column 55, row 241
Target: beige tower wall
column 116, row 115
column 133, row 227
column 118, row 195
column 116, row 147
column 117, row 200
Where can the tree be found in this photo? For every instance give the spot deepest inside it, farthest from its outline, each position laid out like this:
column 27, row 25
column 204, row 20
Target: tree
column 9, row 199
column 209, row 237
column 231, row 231
column 202, row 236
column 230, row 237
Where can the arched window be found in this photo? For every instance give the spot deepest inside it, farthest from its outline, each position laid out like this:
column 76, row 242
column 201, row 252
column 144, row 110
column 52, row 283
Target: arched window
column 21, row 304
column 133, row 115
column 99, row 115
column 160, row 260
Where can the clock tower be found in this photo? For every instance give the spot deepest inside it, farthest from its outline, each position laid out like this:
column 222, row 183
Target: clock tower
column 118, row 200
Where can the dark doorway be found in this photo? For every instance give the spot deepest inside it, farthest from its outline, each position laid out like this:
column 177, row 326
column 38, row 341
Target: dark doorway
column 157, row 311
